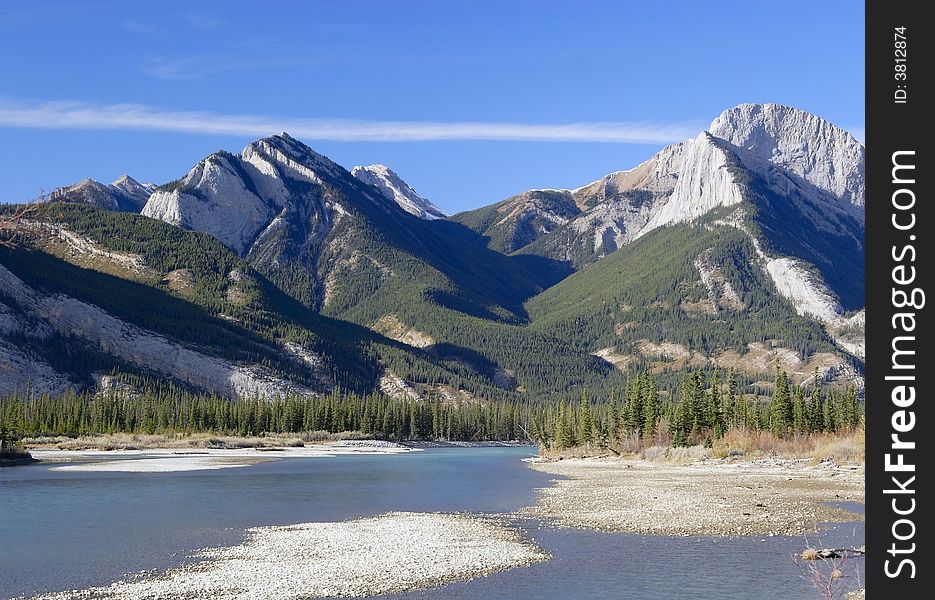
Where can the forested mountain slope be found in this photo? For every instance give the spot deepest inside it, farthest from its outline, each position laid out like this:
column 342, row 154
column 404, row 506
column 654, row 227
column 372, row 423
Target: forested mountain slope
column 282, row 271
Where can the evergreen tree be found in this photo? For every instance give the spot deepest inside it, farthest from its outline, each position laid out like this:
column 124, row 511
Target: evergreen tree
column 780, row 405
column 634, row 408
column 815, row 407
column 799, row 411
column 585, row 424
column 827, row 412
column 561, row 435
column 613, row 417
column 681, row 424
column 651, row 409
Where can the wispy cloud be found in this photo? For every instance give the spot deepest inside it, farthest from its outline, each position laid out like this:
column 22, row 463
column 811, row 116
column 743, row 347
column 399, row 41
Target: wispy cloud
column 199, row 20
column 175, row 69
column 73, row 115
column 181, row 69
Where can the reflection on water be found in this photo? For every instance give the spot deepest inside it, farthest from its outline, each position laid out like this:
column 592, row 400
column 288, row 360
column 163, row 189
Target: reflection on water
column 63, row 530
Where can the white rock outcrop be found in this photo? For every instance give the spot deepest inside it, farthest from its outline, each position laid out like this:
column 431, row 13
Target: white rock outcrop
column 705, row 182
column 804, row 289
column 393, row 187
column 101, row 330
column 812, row 148
column 214, row 198
column 619, row 205
column 22, row 372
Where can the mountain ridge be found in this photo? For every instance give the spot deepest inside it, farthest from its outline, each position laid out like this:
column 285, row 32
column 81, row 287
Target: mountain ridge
column 758, row 222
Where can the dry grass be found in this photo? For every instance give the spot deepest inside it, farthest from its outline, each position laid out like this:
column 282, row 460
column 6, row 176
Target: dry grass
column 586, row 451
column 810, row 554
column 841, row 447
column 847, row 446
column 127, row 441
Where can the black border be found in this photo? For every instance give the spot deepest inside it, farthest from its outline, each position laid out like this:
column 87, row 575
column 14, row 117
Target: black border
column 892, row 126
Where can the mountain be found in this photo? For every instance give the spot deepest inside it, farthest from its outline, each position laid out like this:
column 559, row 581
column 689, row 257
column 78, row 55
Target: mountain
column 393, row 187
column 343, row 249
column 325, row 236
column 744, row 252
column 125, row 194
column 739, row 248
column 615, row 209
column 154, row 304
column 522, row 219
column 820, row 153
column 790, row 184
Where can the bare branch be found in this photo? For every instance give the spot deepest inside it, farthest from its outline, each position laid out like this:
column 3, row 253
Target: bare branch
column 9, row 224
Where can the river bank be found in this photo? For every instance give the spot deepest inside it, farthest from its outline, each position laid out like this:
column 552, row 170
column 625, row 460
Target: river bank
column 306, row 528
column 711, row 498
column 391, row 553
column 187, row 458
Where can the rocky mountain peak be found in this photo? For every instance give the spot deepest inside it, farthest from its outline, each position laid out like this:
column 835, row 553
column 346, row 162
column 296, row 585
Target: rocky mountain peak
column 819, row 152
column 140, row 191
column 125, row 194
column 293, row 157
column 705, row 182
column 395, row 188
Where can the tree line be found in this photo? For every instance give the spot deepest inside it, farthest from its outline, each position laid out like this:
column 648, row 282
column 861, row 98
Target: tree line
column 704, row 407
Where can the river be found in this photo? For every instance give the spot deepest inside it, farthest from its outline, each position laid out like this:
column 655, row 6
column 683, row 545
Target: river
column 71, row 530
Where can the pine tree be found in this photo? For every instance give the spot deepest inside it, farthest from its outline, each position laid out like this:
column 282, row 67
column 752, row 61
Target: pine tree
column 681, row 423
column 799, row 411
column 389, row 424
column 568, row 425
column 634, row 408
column 780, row 405
column 815, row 407
column 561, row 436
column 651, row 409
column 717, row 405
column 613, row 417
column 827, row 412
column 585, row 424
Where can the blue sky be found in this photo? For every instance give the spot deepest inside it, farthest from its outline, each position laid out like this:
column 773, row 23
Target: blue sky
column 470, row 102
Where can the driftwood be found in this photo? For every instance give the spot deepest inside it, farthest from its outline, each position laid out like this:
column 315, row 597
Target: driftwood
column 826, row 553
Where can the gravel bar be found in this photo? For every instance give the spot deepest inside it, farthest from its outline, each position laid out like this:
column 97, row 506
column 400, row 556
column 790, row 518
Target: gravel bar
column 757, row 497
column 390, row 553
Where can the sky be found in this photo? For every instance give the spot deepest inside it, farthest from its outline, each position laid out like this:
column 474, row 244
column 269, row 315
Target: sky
column 470, row 102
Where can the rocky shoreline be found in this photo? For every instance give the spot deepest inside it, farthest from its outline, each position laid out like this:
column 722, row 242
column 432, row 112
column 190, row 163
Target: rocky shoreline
column 712, row 498
column 399, row 552
column 391, row 553
column 163, row 460
column 11, row 457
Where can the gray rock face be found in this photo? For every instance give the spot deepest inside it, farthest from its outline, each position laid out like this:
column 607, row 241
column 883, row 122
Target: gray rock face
column 133, row 188
column 797, row 154
column 812, row 148
column 705, row 181
column 393, row 187
column 790, row 180
column 125, row 194
column 623, row 202
column 276, row 193
column 615, row 209
column 216, row 198
column 285, row 208
column 135, row 345
column 522, row 219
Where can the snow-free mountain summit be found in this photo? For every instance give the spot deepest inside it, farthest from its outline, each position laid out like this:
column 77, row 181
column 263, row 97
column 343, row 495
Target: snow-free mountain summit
column 739, row 248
